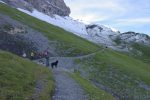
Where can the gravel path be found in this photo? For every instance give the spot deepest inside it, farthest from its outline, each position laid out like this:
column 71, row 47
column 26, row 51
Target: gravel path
column 69, row 62
column 66, row 87
column 40, row 84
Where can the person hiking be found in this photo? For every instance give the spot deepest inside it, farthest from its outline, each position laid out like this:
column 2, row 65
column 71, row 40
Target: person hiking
column 32, row 55
column 46, row 54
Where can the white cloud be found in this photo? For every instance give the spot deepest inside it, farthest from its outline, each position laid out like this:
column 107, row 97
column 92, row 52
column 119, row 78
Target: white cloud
column 134, row 20
column 121, row 14
column 91, row 18
column 94, row 10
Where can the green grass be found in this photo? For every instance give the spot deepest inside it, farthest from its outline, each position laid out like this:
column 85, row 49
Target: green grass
column 53, row 33
column 145, row 57
column 120, row 73
column 48, row 89
column 18, row 77
column 94, row 92
column 126, row 64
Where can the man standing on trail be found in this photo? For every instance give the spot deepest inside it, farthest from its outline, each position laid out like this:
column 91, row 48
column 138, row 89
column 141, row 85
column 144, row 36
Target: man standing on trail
column 46, row 53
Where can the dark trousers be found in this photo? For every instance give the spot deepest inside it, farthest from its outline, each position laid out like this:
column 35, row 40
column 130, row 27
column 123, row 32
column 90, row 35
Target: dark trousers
column 47, row 61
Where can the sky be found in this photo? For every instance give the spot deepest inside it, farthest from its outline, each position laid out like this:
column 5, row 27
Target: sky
column 123, row 15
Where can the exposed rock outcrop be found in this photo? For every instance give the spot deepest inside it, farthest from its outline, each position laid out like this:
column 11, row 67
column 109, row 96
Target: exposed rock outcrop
column 48, row 7
column 18, row 38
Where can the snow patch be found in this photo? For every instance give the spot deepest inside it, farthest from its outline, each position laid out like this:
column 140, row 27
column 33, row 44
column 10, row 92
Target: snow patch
column 2, row 2
column 66, row 23
column 113, row 29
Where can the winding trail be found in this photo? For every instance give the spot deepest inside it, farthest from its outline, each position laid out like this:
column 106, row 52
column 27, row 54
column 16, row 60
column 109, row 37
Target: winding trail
column 69, row 62
column 66, row 87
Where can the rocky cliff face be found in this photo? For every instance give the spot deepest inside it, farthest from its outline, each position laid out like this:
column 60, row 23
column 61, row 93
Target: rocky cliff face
column 135, row 37
column 18, row 38
column 116, row 40
column 101, row 34
column 48, row 7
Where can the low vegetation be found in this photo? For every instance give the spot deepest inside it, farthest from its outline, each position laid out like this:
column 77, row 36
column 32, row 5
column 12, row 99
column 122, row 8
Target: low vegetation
column 118, row 74
column 145, row 52
column 94, row 92
column 18, row 78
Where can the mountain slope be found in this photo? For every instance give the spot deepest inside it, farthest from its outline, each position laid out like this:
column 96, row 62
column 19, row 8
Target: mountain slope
column 74, row 44
column 96, row 33
column 141, row 52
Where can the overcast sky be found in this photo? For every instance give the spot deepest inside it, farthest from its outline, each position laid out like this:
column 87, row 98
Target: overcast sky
column 124, row 15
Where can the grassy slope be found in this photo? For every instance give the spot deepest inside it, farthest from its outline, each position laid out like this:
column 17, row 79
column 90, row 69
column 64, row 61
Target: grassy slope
column 145, row 52
column 126, row 64
column 52, row 32
column 94, row 92
column 120, row 73
column 18, row 77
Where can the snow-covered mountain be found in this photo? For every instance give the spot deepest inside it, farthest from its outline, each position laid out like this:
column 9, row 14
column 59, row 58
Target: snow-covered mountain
column 96, row 33
column 64, row 22
column 99, row 34
column 134, row 37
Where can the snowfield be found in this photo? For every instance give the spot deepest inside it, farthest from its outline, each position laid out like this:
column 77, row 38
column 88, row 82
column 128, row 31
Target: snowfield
column 66, row 23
